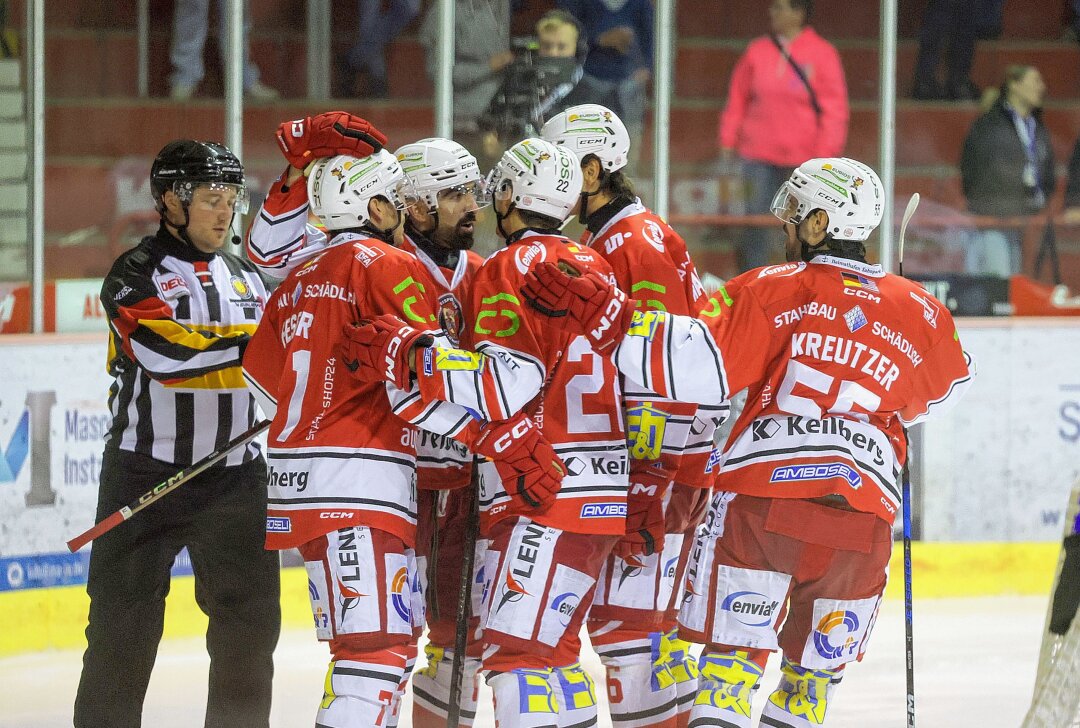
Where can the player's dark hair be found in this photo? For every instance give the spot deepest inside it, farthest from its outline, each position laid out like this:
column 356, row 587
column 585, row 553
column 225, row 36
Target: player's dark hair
column 807, row 6
column 537, row 221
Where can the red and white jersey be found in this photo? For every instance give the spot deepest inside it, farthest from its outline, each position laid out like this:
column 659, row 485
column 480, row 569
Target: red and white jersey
column 572, row 392
column 281, row 237
column 653, row 267
column 337, row 455
column 442, row 462
column 837, row 356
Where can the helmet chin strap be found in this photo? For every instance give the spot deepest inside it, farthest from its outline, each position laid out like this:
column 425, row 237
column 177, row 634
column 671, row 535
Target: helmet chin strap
column 387, row 236
column 808, row 251
column 499, row 220
column 583, row 206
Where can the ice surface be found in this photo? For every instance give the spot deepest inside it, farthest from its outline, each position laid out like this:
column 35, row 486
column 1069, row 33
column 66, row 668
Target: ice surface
column 974, row 658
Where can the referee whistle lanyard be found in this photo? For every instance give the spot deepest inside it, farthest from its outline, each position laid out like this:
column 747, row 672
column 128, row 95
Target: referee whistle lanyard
column 1025, row 129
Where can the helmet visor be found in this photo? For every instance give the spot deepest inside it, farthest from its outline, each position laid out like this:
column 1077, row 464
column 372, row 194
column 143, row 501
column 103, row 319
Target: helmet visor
column 401, row 193
column 785, row 205
column 467, row 196
column 213, row 195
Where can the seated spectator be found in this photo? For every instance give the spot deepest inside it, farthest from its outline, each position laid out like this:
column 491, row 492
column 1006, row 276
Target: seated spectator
column 1007, row 166
column 536, row 84
column 787, row 102
column 958, row 21
column 379, row 23
column 481, row 52
column 191, row 19
column 618, row 66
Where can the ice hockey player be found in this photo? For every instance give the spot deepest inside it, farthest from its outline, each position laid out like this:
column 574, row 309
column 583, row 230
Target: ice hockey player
column 838, row 357
column 544, row 557
column 342, row 466
column 671, row 443
column 441, row 219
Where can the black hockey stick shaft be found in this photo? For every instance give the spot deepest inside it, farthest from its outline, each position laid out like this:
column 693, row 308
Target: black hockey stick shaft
column 909, row 622
column 162, row 489
column 464, row 605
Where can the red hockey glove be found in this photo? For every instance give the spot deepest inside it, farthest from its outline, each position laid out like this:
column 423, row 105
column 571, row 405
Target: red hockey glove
column 379, row 349
column 334, row 132
column 530, row 470
column 644, row 529
column 585, row 304
column 645, row 523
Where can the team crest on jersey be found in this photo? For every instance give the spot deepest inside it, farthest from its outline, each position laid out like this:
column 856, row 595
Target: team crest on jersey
column 246, row 296
column 654, row 234
column 526, row 255
column 450, row 317
column 365, row 255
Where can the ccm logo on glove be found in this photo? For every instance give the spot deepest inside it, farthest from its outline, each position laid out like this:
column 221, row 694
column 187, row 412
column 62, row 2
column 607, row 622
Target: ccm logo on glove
column 507, row 439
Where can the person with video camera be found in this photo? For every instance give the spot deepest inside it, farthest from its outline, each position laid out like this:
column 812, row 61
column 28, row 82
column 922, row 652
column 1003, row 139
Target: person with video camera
column 545, row 70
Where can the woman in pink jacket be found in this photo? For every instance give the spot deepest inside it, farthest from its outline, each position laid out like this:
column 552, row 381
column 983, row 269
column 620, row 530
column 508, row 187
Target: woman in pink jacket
column 787, row 102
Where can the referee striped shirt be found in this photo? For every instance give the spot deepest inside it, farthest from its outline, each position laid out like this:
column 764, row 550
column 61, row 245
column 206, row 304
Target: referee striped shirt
column 179, row 323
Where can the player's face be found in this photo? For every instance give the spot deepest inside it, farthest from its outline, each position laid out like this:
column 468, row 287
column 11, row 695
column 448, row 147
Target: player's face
column 558, row 42
column 458, row 211
column 210, row 215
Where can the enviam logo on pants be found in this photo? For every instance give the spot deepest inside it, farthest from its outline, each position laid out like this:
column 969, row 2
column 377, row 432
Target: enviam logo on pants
column 750, row 608
column 827, row 635
column 817, row 471
column 565, row 605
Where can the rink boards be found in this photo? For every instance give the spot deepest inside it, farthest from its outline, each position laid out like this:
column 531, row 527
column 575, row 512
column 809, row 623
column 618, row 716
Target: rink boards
column 990, row 479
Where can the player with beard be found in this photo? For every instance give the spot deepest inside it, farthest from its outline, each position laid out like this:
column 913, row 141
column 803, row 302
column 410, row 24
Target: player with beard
column 439, row 231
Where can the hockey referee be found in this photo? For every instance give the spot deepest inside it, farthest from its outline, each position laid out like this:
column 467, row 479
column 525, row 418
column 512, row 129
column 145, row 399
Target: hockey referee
column 181, row 312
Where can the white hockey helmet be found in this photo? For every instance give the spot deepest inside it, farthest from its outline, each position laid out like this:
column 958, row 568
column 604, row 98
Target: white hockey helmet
column 436, row 166
column 591, row 129
column 538, row 176
column 847, row 190
column 339, row 188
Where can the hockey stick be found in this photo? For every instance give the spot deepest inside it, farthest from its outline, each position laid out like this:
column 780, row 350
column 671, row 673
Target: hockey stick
column 464, row 605
column 909, row 636
column 161, row 490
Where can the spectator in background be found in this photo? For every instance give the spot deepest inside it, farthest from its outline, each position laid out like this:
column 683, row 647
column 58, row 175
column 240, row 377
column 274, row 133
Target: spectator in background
column 618, row 67
column 1007, row 166
column 379, row 23
column 481, row 52
column 1072, row 186
column 191, row 18
column 787, row 102
column 536, row 84
column 959, row 21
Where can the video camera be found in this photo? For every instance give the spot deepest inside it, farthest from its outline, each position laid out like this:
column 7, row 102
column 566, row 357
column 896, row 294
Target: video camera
column 532, row 87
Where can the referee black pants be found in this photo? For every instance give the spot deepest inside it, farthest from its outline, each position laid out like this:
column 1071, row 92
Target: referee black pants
column 220, row 516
